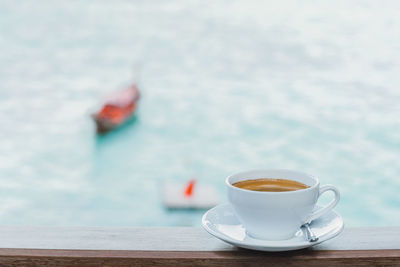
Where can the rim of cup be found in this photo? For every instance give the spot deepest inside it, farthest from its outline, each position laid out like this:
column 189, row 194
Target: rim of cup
column 315, row 178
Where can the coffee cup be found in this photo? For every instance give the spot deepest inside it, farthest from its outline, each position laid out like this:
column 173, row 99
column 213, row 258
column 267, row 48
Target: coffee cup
column 277, row 215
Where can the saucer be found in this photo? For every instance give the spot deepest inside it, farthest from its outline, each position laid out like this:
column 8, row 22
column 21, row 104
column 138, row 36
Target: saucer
column 222, row 223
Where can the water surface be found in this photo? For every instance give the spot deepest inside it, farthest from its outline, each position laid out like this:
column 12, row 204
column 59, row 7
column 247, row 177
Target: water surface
column 226, row 86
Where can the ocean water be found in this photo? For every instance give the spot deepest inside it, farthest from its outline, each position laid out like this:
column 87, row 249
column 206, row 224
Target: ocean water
column 226, row 86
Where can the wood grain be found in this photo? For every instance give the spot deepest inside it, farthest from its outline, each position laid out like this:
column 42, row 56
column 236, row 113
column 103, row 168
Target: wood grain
column 171, row 239
column 93, row 246
column 32, row 257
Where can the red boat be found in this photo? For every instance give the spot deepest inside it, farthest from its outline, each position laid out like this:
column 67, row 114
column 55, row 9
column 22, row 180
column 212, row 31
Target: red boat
column 117, row 109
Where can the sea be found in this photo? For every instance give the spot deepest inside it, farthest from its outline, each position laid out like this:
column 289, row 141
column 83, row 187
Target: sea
column 226, row 86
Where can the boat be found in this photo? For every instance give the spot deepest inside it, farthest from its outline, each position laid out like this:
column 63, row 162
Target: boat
column 117, row 109
column 190, row 195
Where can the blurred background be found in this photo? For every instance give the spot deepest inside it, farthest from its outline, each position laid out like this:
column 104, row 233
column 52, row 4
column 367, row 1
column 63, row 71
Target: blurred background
column 226, row 86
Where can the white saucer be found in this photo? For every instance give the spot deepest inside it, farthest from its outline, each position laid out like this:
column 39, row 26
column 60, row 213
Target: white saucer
column 222, row 223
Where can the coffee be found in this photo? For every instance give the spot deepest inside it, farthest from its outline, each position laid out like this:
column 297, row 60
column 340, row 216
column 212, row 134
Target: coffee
column 270, row 185
column 276, row 215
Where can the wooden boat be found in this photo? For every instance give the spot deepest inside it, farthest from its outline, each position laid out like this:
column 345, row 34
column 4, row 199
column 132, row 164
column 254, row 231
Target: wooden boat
column 117, row 109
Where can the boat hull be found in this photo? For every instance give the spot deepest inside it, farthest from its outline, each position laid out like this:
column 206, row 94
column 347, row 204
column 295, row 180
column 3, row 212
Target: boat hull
column 117, row 110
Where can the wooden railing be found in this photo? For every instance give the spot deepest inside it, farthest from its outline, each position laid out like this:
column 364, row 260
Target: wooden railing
column 93, row 246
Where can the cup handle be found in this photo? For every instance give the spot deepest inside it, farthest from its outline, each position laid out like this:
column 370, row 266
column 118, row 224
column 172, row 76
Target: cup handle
column 331, row 205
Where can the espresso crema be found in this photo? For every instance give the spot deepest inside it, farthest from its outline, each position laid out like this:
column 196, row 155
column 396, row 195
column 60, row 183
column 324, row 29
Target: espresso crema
column 270, row 185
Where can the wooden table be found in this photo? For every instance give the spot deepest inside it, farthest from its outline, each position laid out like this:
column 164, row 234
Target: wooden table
column 94, row 246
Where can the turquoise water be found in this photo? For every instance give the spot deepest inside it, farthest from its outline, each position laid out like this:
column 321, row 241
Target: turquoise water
column 226, row 86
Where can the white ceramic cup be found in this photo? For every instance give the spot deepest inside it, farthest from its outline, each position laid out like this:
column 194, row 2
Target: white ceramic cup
column 277, row 215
